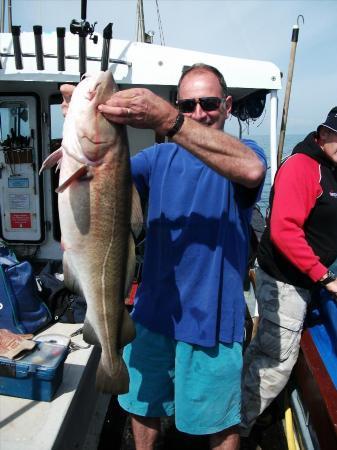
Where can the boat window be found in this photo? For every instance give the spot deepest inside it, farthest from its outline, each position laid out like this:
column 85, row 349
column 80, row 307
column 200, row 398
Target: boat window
column 56, row 121
column 20, row 185
column 14, row 126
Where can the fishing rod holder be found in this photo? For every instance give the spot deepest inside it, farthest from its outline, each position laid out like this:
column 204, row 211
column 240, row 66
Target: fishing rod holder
column 60, row 32
column 37, row 29
column 83, row 29
column 107, row 36
column 16, row 31
column 42, row 58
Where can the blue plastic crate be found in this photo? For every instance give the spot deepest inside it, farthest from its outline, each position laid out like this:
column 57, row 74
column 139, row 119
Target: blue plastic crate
column 37, row 375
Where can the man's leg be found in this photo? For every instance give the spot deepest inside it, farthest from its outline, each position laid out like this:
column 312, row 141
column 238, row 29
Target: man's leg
column 145, row 431
column 264, row 375
column 225, row 440
column 208, row 392
column 270, row 357
column 150, row 362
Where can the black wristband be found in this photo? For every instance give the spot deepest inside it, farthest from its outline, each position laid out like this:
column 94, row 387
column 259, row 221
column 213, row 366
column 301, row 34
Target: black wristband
column 176, row 126
column 330, row 277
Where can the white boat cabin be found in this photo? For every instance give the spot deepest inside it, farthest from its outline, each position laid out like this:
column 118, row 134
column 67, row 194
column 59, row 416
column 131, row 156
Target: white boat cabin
column 34, row 65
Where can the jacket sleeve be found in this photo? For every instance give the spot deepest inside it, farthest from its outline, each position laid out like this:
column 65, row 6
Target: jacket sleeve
column 297, row 187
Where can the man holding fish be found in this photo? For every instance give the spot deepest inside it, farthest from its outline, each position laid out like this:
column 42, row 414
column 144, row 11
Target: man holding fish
column 189, row 311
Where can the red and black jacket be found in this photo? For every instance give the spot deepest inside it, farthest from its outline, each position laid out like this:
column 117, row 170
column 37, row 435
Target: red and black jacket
column 300, row 239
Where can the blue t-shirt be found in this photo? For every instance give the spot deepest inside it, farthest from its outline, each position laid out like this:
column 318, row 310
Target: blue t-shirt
column 196, row 246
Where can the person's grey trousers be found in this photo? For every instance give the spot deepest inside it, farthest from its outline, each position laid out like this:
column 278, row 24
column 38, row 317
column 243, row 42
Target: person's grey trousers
column 270, row 357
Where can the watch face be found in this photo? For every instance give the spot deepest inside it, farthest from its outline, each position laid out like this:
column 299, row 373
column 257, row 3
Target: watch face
column 331, row 275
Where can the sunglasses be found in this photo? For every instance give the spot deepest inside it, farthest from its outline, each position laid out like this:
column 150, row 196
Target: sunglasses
column 188, row 105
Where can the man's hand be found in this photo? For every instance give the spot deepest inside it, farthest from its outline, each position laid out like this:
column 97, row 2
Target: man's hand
column 139, row 108
column 332, row 288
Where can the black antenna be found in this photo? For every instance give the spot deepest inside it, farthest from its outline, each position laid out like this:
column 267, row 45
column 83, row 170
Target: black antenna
column 83, row 29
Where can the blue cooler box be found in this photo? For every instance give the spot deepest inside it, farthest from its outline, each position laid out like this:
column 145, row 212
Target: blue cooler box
column 35, row 376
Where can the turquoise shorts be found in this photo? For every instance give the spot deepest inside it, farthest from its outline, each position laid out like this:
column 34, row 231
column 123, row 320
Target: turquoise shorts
column 201, row 386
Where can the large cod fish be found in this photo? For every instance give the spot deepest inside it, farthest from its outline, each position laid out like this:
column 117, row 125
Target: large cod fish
column 95, row 200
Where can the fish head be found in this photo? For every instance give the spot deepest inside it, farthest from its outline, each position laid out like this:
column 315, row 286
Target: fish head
column 87, row 134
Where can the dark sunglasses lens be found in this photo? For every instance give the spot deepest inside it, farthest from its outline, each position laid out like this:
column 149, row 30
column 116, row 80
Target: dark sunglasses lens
column 210, row 103
column 187, row 106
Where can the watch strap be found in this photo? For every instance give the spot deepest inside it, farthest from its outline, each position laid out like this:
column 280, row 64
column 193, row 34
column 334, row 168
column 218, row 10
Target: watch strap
column 330, row 277
column 178, row 123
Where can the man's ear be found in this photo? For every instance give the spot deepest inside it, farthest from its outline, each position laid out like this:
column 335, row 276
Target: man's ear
column 323, row 134
column 227, row 104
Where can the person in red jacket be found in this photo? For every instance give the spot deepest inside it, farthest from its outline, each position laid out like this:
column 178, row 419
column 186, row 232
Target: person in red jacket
column 296, row 249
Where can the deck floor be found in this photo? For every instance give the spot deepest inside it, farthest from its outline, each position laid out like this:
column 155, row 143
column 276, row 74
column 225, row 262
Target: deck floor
column 117, row 432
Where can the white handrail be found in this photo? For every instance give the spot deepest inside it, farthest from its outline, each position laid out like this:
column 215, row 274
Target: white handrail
column 273, row 134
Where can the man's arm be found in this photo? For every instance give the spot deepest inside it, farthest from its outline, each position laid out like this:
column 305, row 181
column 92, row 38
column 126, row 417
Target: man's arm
column 224, row 153
column 141, row 108
column 296, row 189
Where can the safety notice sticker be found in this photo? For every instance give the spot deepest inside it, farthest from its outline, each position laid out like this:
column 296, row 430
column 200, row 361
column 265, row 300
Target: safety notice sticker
column 19, row 201
column 21, row 220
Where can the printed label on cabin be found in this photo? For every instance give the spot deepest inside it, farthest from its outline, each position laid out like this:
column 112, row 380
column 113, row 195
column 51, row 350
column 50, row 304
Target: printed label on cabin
column 18, row 182
column 19, row 201
column 21, row 220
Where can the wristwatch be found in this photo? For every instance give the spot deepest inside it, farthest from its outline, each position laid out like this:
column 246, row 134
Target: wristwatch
column 178, row 123
column 330, row 277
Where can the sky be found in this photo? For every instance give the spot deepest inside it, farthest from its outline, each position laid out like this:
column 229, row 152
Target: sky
column 241, row 28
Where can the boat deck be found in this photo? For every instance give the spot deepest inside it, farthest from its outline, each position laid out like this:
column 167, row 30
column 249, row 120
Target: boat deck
column 72, row 420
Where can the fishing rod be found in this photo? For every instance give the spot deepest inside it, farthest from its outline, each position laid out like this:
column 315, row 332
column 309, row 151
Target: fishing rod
column 83, row 29
column 294, row 40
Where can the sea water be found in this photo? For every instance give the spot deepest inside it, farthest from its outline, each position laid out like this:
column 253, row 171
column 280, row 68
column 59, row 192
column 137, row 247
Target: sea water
column 264, row 141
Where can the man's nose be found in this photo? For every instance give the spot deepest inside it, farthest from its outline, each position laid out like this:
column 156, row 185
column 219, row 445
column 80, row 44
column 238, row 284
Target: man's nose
column 199, row 113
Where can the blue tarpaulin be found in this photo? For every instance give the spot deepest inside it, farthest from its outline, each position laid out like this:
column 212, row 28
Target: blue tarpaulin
column 322, row 323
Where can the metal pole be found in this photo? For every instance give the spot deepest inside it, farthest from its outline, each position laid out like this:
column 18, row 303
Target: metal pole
column 2, row 26
column 82, row 50
column 294, row 40
column 82, row 54
column 273, row 135
column 9, row 16
column 140, row 22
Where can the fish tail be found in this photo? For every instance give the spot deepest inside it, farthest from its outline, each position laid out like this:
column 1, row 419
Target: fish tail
column 113, row 383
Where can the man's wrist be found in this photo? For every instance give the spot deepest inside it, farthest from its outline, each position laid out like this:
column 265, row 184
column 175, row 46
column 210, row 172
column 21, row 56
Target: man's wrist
column 329, row 277
column 176, row 126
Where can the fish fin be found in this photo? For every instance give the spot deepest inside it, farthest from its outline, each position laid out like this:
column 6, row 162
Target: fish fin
column 137, row 218
column 51, row 160
column 127, row 331
column 82, row 173
column 89, row 334
column 116, row 383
